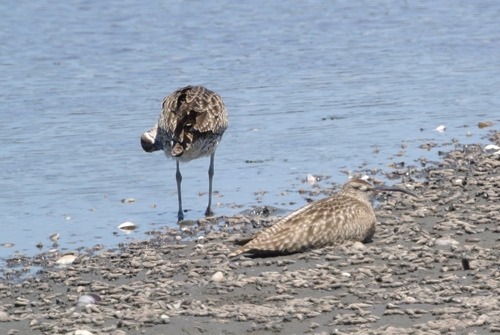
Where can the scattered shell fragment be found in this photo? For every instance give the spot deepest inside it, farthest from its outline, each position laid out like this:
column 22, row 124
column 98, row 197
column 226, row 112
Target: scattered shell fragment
column 491, row 147
column 8, row 245
column 88, row 299
column 128, row 200
column 311, row 179
column 83, row 332
column 441, row 129
column 127, row 226
column 218, row 276
column 66, row 260
column 446, row 241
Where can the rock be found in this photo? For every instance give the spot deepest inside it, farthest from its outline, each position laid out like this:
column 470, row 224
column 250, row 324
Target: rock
column 485, row 124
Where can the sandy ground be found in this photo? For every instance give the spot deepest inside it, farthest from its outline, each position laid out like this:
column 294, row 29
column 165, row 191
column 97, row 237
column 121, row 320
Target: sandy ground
column 433, row 267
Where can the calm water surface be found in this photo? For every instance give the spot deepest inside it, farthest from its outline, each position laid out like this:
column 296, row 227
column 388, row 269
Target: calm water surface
column 310, row 86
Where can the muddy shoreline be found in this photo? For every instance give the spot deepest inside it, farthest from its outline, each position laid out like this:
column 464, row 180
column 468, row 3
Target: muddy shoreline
column 432, row 268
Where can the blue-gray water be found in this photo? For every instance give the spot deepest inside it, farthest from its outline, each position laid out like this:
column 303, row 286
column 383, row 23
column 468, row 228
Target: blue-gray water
column 310, row 86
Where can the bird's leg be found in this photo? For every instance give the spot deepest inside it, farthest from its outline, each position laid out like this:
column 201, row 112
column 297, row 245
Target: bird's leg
column 209, row 210
column 178, row 178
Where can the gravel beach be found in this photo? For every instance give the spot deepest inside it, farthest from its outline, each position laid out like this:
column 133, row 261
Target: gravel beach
column 433, row 267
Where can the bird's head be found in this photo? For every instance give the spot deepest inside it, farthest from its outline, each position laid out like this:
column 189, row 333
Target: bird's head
column 363, row 189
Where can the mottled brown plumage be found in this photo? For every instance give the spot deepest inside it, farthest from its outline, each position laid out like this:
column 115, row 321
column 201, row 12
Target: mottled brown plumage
column 345, row 216
column 191, row 125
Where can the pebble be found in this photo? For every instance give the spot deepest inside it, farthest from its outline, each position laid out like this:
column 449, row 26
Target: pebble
column 485, row 124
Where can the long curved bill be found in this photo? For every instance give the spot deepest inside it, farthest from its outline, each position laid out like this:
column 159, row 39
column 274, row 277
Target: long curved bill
column 378, row 189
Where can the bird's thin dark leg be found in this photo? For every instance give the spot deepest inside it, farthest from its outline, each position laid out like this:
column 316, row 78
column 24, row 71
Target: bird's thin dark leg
column 209, row 210
column 178, row 178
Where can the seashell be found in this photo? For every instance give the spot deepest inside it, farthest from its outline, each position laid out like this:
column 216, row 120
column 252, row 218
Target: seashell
column 441, row 129
column 82, row 332
column 218, row 276
column 492, row 147
column 88, row 299
column 127, row 226
column 54, row 237
column 311, row 179
column 66, row 260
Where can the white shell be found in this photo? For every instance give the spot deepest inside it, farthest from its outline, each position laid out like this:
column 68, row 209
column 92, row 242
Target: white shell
column 218, row 276
column 441, row 129
column 127, row 226
column 492, row 147
column 66, row 260
column 88, row 299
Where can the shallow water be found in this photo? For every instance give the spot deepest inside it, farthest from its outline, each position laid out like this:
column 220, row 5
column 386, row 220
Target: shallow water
column 311, row 87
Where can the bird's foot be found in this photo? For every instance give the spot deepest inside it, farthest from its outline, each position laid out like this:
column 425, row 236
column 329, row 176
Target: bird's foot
column 180, row 216
column 209, row 211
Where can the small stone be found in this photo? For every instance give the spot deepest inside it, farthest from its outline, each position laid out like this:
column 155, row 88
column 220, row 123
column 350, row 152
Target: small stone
column 165, row 318
column 485, row 124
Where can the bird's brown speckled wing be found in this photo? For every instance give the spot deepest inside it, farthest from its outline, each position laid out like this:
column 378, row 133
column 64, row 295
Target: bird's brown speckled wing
column 327, row 221
column 190, row 112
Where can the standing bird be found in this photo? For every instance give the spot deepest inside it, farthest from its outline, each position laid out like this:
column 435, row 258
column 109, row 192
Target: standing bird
column 345, row 216
column 191, row 124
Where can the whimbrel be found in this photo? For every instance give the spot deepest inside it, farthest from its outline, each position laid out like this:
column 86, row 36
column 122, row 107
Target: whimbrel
column 191, row 125
column 345, row 216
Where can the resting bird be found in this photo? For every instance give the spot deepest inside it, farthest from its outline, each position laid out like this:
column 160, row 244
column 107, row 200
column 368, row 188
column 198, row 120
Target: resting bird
column 345, row 216
column 191, row 124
